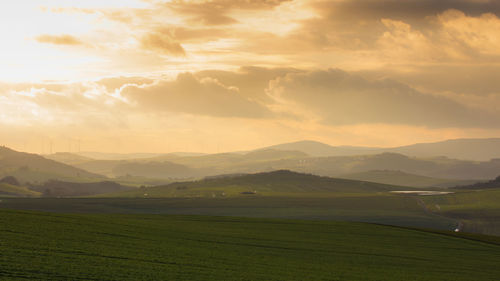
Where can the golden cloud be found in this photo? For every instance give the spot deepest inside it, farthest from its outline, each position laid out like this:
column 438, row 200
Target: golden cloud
column 64, row 39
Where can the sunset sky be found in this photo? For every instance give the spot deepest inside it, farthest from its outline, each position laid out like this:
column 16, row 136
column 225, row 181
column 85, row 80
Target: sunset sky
column 224, row 75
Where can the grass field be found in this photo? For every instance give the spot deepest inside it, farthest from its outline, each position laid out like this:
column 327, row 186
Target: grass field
column 384, row 209
column 49, row 246
column 8, row 190
column 478, row 210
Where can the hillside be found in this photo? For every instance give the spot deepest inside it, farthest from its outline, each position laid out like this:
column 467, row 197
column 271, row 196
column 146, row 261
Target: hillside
column 45, row 246
column 179, row 166
column 277, row 183
column 495, row 183
column 67, row 158
column 318, row 149
column 56, row 188
column 396, row 177
column 478, row 210
column 337, row 166
column 27, row 167
column 9, row 190
column 464, row 149
column 438, row 167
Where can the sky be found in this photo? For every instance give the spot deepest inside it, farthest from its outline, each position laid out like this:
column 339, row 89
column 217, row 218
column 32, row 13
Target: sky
column 227, row 75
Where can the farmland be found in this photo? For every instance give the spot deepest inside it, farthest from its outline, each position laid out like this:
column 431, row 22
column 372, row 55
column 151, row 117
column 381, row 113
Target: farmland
column 50, row 246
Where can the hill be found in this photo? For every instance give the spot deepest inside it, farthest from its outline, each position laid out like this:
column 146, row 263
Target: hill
column 27, row 167
column 337, row 166
column 182, row 166
column 465, row 149
column 397, row 177
column 437, row 167
column 159, row 170
column 478, row 210
column 116, row 156
column 318, row 149
column 45, row 246
column 67, row 158
column 9, row 190
column 56, row 188
column 277, row 183
column 495, row 183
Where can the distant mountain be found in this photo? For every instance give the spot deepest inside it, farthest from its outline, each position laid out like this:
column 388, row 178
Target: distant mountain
column 464, row 149
column 318, row 149
column 158, row 170
column 134, row 156
column 117, row 156
column 182, row 166
column 397, row 177
column 27, row 167
column 437, row 167
column 68, row 158
column 276, row 183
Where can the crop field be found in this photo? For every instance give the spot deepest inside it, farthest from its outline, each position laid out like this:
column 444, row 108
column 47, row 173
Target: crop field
column 50, row 246
column 8, row 190
column 375, row 208
column 477, row 210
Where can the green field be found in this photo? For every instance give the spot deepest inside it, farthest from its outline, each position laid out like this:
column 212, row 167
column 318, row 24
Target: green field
column 8, row 190
column 384, row 209
column 48, row 246
column 478, row 210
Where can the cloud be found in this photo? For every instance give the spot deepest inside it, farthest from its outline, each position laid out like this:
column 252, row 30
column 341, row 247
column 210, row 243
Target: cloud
column 188, row 94
column 115, row 83
column 340, row 98
column 412, row 10
column 64, row 39
column 162, row 42
column 251, row 81
column 216, row 12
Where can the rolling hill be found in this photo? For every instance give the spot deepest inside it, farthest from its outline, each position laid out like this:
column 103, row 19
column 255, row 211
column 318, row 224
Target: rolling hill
column 27, row 167
column 464, row 149
column 68, row 158
column 396, row 177
column 495, row 183
column 9, row 190
column 57, row 188
column 182, row 166
column 318, row 149
column 276, row 183
column 10, row 187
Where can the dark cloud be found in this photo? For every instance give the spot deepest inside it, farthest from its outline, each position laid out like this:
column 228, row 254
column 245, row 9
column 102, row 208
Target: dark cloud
column 216, row 12
column 64, row 39
column 343, row 99
column 474, row 80
column 402, row 9
column 189, row 94
column 357, row 24
column 162, row 42
column 195, row 35
column 250, row 80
